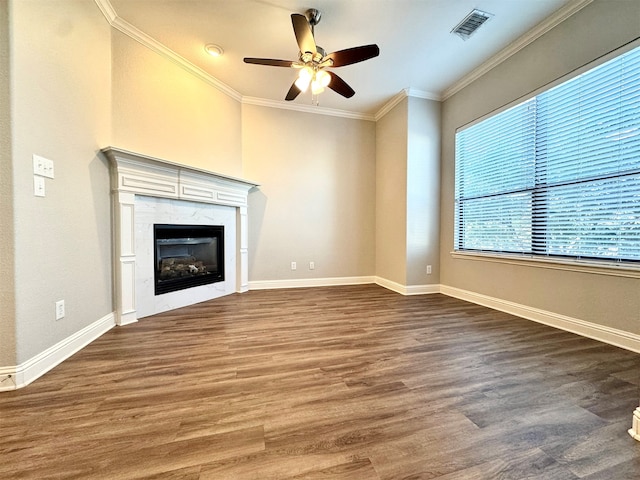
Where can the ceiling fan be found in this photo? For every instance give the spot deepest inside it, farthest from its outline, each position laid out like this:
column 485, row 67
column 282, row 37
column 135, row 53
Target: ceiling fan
column 313, row 60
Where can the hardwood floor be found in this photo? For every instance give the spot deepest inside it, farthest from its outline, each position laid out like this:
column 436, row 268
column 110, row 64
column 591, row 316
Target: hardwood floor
column 349, row 382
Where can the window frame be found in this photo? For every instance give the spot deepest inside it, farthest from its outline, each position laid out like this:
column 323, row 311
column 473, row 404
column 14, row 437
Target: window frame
column 615, row 267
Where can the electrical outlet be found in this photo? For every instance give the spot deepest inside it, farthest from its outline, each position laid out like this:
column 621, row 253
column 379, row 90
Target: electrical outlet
column 428, row 269
column 38, row 186
column 294, row 266
column 312, row 265
column 59, row 309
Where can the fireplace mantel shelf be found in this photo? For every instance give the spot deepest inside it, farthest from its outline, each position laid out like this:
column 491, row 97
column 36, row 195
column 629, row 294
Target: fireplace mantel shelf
column 133, row 174
column 145, row 175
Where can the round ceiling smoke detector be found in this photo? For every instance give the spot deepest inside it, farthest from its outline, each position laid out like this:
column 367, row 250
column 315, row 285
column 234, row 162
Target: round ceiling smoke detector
column 213, row 49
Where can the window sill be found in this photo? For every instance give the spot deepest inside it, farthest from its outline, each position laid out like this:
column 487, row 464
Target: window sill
column 583, row 266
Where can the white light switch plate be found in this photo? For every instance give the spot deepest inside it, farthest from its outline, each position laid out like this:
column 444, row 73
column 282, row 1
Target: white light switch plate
column 38, row 164
column 48, row 168
column 38, row 186
column 42, row 166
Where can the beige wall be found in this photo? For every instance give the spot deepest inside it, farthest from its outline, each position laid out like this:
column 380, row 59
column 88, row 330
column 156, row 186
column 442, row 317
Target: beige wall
column 408, row 193
column 161, row 110
column 7, row 287
column 423, row 191
column 316, row 201
column 606, row 300
column 391, row 194
column 61, row 84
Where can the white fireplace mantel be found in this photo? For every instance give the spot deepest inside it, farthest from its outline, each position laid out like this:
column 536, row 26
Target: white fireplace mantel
column 135, row 174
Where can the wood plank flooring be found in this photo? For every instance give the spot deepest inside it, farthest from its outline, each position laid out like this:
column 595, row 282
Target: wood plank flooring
column 352, row 382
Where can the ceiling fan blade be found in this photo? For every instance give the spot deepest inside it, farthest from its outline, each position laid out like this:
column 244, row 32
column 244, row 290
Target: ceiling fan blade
column 293, row 92
column 269, row 61
column 304, row 35
column 353, row 55
column 340, row 86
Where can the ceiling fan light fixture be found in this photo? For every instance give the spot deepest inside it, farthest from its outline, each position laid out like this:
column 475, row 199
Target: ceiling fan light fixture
column 213, row 49
column 302, row 84
column 323, row 78
column 316, row 88
column 304, row 79
column 306, row 72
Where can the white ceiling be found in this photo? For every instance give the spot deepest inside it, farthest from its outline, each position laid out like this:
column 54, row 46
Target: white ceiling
column 417, row 50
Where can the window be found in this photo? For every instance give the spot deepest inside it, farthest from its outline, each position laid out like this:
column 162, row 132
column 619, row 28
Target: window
column 559, row 174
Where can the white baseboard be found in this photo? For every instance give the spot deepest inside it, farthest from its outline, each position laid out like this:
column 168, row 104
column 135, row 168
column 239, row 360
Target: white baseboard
column 333, row 281
column 634, row 431
column 309, row 282
column 612, row 336
column 12, row 378
column 407, row 289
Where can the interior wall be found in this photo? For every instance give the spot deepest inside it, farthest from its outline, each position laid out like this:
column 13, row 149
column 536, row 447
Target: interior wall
column 423, row 191
column 161, row 110
column 316, row 200
column 391, row 193
column 60, row 97
column 7, row 286
column 606, row 300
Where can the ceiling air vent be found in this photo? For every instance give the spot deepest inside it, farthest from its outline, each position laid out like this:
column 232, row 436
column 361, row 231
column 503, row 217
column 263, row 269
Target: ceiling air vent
column 471, row 23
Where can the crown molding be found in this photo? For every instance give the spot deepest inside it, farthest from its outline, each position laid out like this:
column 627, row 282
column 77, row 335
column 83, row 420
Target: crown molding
column 307, row 108
column 151, row 43
column 401, row 95
column 138, row 35
column 555, row 19
column 395, row 100
column 415, row 93
column 107, row 10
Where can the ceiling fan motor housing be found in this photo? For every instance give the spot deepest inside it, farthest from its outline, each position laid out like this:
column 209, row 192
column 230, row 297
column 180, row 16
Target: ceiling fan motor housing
column 314, row 16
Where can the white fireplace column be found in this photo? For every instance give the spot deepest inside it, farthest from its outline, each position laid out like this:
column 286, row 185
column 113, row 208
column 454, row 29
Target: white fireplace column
column 134, row 174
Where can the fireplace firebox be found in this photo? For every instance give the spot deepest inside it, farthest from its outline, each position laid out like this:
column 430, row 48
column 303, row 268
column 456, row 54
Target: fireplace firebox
column 187, row 256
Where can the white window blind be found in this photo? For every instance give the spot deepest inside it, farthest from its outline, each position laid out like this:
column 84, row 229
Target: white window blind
column 559, row 174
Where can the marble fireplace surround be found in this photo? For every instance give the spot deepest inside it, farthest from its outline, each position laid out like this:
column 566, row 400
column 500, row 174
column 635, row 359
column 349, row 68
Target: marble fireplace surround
column 147, row 190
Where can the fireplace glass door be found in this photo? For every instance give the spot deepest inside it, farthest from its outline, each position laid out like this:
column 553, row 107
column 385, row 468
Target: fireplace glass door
column 187, row 256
